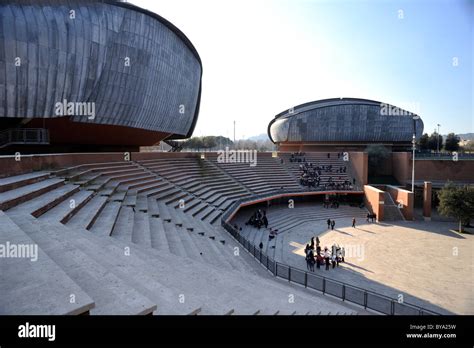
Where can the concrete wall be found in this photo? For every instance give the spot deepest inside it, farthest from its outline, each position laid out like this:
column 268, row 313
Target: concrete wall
column 431, row 169
column 401, row 166
column 359, row 163
column 375, row 200
column 403, row 197
column 29, row 163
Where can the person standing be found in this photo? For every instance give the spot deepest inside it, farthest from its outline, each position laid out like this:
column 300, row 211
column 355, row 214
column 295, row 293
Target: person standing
column 311, row 260
column 326, row 258
column 333, row 223
column 354, row 222
column 329, row 223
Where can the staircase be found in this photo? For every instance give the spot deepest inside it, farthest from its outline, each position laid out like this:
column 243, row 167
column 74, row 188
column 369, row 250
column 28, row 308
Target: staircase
column 111, row 241
column 391, row 212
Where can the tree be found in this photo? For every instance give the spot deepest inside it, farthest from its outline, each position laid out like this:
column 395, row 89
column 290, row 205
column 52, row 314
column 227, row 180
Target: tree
column 377, row 155
column 433, row 141
column 457, row 202
column 423, row 142
column 209, row 142
column 452, row 142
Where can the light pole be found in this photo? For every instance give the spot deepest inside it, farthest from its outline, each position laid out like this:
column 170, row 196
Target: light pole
column 437, row 140
column 416, row 117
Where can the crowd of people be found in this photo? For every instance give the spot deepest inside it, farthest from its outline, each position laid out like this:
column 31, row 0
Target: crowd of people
column 315, row 255
column 258, row 219
column 310, row 174
column 297, row 157
column 371, row 217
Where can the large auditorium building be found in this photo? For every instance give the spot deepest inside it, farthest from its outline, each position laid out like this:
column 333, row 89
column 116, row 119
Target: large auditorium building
column 99, row 74
column 344, row 124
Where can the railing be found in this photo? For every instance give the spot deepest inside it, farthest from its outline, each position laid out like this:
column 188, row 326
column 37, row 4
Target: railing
column 176, row 146
column 366, row 298
column 443, row 156
column 24, row 136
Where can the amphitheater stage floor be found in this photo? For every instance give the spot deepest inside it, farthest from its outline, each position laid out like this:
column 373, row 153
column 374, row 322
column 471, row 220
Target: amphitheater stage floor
column 424, row 262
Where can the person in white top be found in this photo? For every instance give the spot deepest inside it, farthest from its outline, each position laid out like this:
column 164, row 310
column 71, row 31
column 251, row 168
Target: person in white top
column 327, row 256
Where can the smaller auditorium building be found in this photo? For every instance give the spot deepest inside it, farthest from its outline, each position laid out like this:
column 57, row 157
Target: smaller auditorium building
column 349, row 124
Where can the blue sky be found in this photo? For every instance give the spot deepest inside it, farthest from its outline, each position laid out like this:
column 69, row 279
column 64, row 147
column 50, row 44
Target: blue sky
column 261, row 57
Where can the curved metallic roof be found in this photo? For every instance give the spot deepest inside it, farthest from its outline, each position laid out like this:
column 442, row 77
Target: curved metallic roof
column 184, row 38
column 344, row 120
column 81, row 61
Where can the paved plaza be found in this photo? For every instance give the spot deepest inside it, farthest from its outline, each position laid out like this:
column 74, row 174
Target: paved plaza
column 425, row 262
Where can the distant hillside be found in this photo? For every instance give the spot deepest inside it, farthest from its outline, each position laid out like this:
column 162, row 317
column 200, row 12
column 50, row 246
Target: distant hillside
column 467, row 136
column 260, row 137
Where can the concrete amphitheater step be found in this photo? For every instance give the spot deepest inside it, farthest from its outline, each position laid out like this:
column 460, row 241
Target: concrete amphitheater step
column 35, row 287
column 107, row 219
column 130, row 199
column 195, row 208
column 214, row 217
column 65, row 210
column 182, row 195
column 163, row 194
column 88, row 214
column 141, row 229
column 192, row 278
column 85, row 167
column 118, row 195
column 13, row 182
column 41, row 204
column 205, row 245
column 205, row 212
column 123, row 227
column 86, row 181
column 111, row 294
column 158, row 234
column 178, row 285
column 174, row 240
column 275, row 294
column 224, row 253
column 142, row 203
column 187, row 203
column 11, row 198
column 231, row 290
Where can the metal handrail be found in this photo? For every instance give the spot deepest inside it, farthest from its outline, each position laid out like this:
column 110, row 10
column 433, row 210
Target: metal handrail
column 24, row 136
